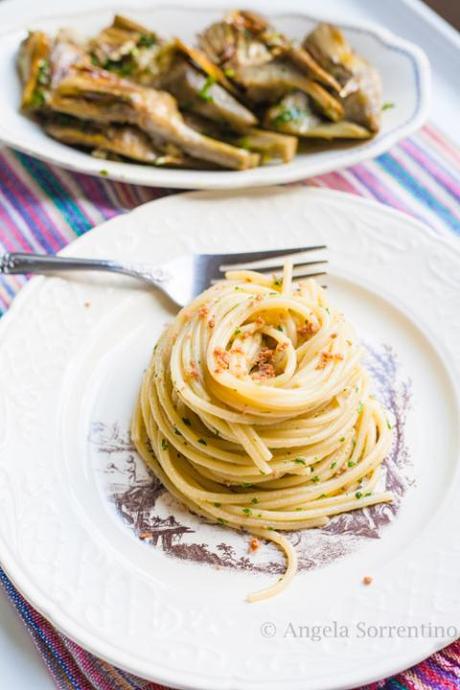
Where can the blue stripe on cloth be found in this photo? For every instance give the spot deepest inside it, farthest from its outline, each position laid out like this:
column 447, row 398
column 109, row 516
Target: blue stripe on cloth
column 23, row 609
column 15, row 199
column 435, row 163
column 8, row 288
column 44, row 176
column 393, row 168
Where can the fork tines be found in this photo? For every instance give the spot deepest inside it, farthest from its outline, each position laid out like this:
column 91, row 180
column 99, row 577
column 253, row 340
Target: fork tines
column 273, row 260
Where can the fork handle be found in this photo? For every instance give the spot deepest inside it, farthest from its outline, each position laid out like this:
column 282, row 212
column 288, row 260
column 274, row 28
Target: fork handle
column 19, row 262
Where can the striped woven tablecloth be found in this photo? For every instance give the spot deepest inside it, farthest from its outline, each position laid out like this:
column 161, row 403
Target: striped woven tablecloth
column 43, row 208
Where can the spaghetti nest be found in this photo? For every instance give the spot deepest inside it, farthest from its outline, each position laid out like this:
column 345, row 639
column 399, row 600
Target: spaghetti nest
column 255, row 411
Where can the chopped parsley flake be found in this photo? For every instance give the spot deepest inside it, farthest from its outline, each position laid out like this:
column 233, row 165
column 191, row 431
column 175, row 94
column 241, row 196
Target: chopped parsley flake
column 388, row 105
column 123, row 67
column 315, row 479
column 334, row 464
column 254, row 500
column 389, row 425
column 217, row 505
column 244, row 143
column 300, row 461
column 342, row 439
column 164, row 444
column 64, row 120
column 146, row 41
column 43, row 72
column 358, row 494
column 246, row 485
column 104, row 173
column 360, row 408
column 37, row 99
column 247, row 511
column 222, row 521
column 229, row 72
column 204, row 92
column 287, row 115
column 350, row 463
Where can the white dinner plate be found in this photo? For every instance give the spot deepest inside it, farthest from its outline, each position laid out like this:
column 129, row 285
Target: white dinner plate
column 77, row 502
column 402, row 65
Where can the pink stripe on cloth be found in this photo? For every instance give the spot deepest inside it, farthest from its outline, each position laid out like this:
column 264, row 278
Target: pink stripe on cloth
column 442, row 143
column 378, row 188
column 95, row 190
column 437, row 173
column 32, row 207
column 443, row 673
column 336, row 181
column 110, row 677
column 12, row 240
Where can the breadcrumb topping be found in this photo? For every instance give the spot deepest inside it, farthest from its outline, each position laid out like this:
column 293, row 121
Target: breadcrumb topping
column 254, row 545
column 263, row 367
column 326, row 357
column 193, row 372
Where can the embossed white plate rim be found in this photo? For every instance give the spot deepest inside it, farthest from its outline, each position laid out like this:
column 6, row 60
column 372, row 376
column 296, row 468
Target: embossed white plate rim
column 104, row 648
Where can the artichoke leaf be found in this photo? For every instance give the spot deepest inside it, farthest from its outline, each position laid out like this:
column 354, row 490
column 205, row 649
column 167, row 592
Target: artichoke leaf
column 246, row 38
column 203, row 95
column 270, row 82
column 125, row 141
column 294, row 115
column 131, row 50
column 102, row 96
column 361, row 84
column 201, row 60
column 272, row 146
column 34, row 70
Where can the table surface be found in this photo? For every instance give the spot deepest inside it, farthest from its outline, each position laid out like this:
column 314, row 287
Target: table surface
column 449, row 9
column 21, row 668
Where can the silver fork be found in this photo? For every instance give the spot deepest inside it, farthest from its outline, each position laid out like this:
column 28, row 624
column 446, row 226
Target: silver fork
column 181, row 279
